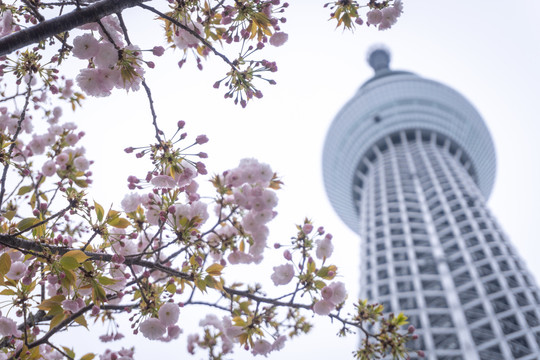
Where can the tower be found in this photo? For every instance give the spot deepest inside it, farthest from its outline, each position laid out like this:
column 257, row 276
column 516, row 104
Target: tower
column 408, row 164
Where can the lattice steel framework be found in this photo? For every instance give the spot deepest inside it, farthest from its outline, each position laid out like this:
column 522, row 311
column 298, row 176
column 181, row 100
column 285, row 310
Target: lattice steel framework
column 431, row 248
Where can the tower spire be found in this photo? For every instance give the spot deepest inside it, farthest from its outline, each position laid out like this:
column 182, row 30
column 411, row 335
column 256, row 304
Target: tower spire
column 379, row 60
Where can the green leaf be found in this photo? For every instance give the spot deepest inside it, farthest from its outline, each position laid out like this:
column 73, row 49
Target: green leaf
column 88, row 356
column 10, row 214
column 69, row 352
column 69, row 262
column 103, row 280
column 171, row 288
column 8, row 292
column 118, row 222
column 25, row 189
column 26, row 223
column 98, row 294
column 81, row 321
column 78, row 255
column 99, row 211
column 214, row 269
column 81, row 183
column 56, row 320
column 48, row 304
column 5, row 263
column 201, row 284
column 69, row 279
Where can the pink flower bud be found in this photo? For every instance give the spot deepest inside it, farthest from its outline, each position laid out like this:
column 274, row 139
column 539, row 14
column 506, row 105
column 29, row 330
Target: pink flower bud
column 158, row 50
column 287, row 255
column 201, row 139
column 307, row 228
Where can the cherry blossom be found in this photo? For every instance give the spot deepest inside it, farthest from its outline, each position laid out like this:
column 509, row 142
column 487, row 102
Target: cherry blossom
column 85, row 46
column 16, row 271
column 283, row 274
column 8, row 327
column 279, row 39
column 152, row 329
column 168, row 314
column 324, row 248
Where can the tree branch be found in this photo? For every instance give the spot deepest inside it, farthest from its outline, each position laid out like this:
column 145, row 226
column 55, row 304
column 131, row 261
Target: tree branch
column 17, row 243
column 69, row 21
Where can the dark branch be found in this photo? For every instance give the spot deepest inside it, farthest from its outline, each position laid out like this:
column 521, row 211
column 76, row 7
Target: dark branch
column 60, row 24
column 20, row 244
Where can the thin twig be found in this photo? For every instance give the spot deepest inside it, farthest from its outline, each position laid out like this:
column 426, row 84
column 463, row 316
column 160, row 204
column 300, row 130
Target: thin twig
column 14, row 139
column 192, row 32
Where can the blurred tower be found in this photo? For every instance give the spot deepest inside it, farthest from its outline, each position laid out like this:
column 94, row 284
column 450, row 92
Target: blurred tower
column 409, row 164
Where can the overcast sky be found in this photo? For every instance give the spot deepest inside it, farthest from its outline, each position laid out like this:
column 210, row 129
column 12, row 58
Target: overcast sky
column 488, row 51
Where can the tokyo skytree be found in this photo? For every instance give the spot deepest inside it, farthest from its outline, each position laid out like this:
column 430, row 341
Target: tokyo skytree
column 409, row 164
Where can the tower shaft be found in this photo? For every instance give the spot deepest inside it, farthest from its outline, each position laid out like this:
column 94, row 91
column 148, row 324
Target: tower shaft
column 432, row 249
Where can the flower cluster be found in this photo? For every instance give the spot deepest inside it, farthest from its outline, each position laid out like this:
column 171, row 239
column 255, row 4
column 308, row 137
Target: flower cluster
column 382, row 14
column 112, row 63
column 155, row 328
column 385, row 18
column 247, row 189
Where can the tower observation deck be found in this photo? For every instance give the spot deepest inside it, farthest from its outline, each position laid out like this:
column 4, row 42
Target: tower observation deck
column 408, row 164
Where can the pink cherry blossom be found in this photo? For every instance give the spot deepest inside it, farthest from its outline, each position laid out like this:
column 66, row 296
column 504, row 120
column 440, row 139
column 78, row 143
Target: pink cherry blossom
column 324, row 248
column 62, row 159
column 85, row 46
column 283, row 274
column 307, row 228
column 16, row 271
column 71, row 305
column 107, row 56
column 81, row 163
column 279, row 343
column 163, row 181
column 169, row 313
column 323, row 307
column 91, row 82
column 131, row 202
column 37, row 145
column 389, row 17
column 374, row 16
column 6, row 23
column 339, row 293
column 279, row 39
column 72, row 139
column 49, row 168
column 184, row 39
column 261, row 347
column 173, row 332
column 238, row 257
column 327, row 293
column 152, row 329
column 192, row 340
column 8, row 327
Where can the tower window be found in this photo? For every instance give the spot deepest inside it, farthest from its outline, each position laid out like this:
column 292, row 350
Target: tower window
column 446, row 341
column 519, row 347
column 475, row 313
column 482, row 334
column 509, row 324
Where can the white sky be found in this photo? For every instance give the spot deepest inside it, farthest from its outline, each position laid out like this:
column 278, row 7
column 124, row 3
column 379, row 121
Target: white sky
column 488, row 51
